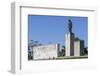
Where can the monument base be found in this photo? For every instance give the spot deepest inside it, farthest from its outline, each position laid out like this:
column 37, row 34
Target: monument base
column 69, row 44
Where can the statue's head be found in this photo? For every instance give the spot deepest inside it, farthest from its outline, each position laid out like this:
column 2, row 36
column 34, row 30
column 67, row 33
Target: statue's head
column 69, row 20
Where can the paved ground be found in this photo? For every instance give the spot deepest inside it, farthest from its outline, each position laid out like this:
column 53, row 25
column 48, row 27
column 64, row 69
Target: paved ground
column 72, row 57
column 65, row 57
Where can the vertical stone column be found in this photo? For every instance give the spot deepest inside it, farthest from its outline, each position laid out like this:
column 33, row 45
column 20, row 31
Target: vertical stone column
column 77, row 48
column 69, row 44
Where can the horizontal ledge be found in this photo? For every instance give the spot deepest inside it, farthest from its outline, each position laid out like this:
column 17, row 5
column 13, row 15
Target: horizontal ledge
column 71, row 9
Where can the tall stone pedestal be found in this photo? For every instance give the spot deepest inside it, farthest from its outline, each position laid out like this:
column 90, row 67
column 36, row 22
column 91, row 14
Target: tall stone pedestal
column 69, row 44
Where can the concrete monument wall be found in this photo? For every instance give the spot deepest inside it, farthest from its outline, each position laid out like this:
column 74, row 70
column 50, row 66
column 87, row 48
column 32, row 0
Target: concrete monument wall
column 78, row 47
column 45, row 51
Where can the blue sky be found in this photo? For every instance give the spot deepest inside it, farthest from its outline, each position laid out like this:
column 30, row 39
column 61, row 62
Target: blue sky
column 52, row 29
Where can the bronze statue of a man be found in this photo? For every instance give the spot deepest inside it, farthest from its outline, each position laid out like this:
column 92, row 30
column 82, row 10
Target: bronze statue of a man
column 69, row 26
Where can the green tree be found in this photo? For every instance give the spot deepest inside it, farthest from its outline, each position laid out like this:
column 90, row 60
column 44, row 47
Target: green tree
column 86, row 50
column 62, row 52
column 76, row 39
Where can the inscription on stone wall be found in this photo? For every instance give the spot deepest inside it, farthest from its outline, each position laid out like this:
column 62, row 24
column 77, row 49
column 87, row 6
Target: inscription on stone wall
column 45, row 51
